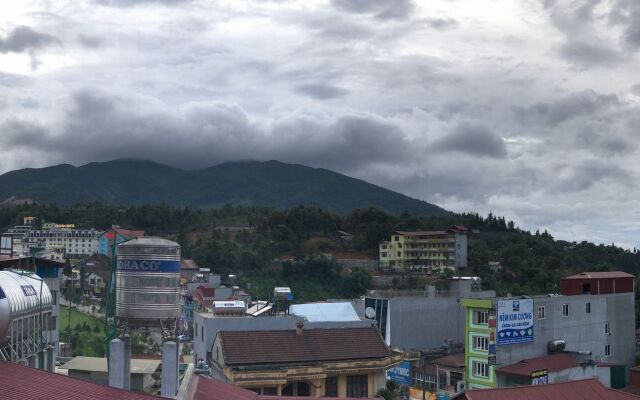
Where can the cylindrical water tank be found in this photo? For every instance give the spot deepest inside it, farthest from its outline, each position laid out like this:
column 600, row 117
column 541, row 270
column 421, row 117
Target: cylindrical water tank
column 20, row 295
column 148, row 280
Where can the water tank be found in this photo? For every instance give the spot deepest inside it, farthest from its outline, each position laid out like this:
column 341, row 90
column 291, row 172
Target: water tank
column 20, row 296
column 148, row 281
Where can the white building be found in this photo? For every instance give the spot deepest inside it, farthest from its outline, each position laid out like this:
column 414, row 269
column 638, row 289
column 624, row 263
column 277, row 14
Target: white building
column 75, row 244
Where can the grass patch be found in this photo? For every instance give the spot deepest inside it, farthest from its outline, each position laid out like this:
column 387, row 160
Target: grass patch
column 77, row 318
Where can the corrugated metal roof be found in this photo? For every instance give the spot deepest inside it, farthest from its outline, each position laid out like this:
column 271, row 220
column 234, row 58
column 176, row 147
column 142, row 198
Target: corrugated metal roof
column 319, row 312
column 98, row 364
column 588, row 389
column 600, row 275
column 18, row 382
column 451, row 360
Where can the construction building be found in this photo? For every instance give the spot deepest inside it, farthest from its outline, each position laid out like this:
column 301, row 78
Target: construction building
column 594, row 315
column 426, row 251
column 116, row 234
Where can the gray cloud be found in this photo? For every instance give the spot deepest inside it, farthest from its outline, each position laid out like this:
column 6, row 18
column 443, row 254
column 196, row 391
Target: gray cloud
column 131, row 3
column 441, row 24
column 23, row 38
column 635, row 89
column 577, row 104
column 382, row 9
column 321, row 91
column 90, row 41
column 589, row 54
column 473, row 139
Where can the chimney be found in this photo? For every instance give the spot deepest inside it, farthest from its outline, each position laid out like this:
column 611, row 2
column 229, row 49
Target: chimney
column 299, row 326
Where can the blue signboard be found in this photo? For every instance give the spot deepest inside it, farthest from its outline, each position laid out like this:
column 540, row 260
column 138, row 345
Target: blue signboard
column 148, row 266
column 401, row 374
column 514, row 321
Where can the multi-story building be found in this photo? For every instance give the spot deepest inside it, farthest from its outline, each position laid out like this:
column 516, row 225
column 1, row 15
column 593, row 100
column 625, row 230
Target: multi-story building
column 428, row 251
column 76, row 243
column 593, row 315
column 106, row 238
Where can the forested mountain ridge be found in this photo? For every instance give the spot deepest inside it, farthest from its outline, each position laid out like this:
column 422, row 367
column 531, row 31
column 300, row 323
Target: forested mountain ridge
column 249, row 183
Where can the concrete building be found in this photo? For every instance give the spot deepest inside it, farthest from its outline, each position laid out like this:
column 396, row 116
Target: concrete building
column 426, row 251
column 338, row 362
column 501, row 332
column 437, row 314
column 75, row 243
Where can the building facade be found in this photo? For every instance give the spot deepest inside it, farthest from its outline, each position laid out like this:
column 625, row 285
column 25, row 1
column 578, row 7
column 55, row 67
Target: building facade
column 74, row 243
column 106, row 238
column 426, row 251
column 600, row 324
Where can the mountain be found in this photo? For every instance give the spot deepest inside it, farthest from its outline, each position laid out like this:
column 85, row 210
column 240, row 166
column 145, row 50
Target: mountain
column 270, row 183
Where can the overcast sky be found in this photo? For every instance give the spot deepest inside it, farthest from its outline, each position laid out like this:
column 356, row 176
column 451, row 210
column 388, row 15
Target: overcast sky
column 527, row 108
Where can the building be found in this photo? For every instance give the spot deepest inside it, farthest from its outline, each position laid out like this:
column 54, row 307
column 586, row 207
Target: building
column 337, row 362
column 19, row 382
column 426, row 251
column 436, row 313
column 95, row 369
column 50, row 272
column 588, row 389
column 106, row 238
column 75, row 243
column 504, row 331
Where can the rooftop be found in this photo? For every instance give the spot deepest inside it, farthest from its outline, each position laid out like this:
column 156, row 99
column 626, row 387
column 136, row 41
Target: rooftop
column 600, row 275
column 317, row 312
column 189, row 264
column 587, row 389
column 98, row 364
column 450, row 360
column 19, row 382
column 313, row 345
column 552, row 363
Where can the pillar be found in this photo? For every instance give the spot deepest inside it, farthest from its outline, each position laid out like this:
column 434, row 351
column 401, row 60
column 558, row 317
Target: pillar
column 169, row 386
column 117, row 364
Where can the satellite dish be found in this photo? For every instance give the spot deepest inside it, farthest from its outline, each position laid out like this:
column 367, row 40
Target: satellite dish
column 370, row 313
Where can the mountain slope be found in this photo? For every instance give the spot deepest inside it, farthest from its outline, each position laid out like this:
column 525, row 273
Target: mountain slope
column 270, row 183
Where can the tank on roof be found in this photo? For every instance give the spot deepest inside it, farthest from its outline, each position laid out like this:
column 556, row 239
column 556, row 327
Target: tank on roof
column 22, row 293
column 148, row 280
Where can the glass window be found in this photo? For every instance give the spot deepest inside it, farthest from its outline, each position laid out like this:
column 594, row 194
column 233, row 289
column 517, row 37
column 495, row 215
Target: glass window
column 480, row 369
column 358, row 386
column 480, row 317
column 331, row 386
column 541, row 312
column 565, row 310
column 607, row 328
column 588, row 308
column 480, row 343
column 607, row 350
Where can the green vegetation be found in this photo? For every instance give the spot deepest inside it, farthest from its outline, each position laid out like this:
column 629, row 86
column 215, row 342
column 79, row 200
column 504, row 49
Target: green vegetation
column 84, row 331
column 272, row 183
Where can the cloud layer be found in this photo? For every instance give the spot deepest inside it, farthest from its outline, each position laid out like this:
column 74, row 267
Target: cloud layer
column 527, row 109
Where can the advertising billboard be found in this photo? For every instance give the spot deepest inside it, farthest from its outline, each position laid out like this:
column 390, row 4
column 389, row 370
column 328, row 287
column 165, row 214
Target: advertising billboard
column 400, row 374
column 514, row 321
column 540, row 377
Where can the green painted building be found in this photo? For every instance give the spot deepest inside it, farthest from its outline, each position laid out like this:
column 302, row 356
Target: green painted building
column 479, row 332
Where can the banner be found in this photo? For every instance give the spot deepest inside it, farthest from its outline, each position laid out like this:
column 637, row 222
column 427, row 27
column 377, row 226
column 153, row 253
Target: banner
column 514, row 321
column 400, row 374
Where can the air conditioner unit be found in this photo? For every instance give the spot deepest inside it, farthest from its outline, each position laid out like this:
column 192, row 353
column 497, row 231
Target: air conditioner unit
column 459, row 386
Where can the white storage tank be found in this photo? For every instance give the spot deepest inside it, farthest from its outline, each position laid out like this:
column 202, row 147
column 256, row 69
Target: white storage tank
column 22, row 294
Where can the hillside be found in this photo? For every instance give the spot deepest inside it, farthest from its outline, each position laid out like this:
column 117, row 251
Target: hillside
column 250, row 183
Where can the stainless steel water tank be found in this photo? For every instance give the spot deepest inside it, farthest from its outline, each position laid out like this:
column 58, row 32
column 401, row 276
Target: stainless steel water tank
column 148, row 281
column 20, row 296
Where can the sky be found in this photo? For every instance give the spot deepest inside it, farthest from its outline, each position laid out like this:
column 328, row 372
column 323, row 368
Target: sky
column 529, row 109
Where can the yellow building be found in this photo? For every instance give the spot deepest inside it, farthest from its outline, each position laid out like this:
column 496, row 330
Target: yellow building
column 336, row 362
column 427, row 251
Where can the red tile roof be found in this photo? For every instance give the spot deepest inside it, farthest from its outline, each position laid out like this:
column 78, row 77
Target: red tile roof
column 553, row 362
column 588, row 389
column 18, row 382
column 189, row 264
column 451, row 360
column 600, row 275
column 202, row 388
column 287, row 347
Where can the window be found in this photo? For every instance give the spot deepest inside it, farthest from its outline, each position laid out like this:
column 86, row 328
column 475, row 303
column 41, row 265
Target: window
column 358, row 386
column 541, row 312
column 565, row 310
column 383, row 254
column 607, row 350
column 607, row 328
column 480, row 343
column 399, row 245
column 331, row 386
column 54, row 323
column 480, row 369
column 587, row 308
column 54, row 297
column 399, row 254
column 196, row 330
column 396, row 238
column 202, row 332
column 480, row 317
